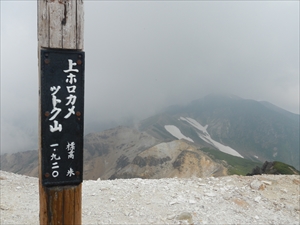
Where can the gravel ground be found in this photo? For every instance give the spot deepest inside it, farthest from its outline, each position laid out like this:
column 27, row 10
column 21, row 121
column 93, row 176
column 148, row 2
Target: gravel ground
column 265, row 199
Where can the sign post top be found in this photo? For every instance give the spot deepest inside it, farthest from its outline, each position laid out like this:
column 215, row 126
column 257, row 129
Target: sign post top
column 60, row 24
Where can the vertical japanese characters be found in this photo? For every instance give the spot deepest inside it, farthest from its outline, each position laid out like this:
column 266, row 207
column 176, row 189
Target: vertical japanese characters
column 62, row 116
column 58, row 106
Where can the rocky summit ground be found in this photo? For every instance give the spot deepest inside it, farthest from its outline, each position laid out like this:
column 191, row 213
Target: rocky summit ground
column 263, row 199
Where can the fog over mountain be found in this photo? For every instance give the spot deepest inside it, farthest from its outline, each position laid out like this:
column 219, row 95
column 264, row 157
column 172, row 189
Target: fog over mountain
column 143, row 56
column 212, row 136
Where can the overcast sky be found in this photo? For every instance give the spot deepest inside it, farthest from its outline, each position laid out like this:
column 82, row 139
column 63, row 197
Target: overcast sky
column 145, row 55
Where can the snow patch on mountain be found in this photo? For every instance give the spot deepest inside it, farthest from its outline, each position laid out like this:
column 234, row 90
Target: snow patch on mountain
column 173, row 130
column 204, row 135
column 195, row 124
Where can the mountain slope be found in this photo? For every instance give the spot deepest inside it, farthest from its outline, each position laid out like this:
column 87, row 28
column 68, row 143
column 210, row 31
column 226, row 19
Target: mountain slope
column 21, row 162
column 172, row 159
column 255, row 130
column 107, row 151
column 103, row 153
column 231, row 131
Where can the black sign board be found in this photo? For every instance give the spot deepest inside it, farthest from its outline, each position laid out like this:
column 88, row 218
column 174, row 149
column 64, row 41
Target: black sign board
column 62, row 111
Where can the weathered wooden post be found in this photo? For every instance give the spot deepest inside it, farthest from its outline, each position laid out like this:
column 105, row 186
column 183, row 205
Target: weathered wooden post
column 61, row 110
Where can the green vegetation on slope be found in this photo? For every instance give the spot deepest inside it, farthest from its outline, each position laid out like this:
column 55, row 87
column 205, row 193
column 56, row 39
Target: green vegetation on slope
column 236, row 165
column 283, row 168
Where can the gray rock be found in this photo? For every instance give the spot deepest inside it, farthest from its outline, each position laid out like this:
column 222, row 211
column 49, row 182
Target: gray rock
column 257, row 185
column 210, row 194
column 257, row 199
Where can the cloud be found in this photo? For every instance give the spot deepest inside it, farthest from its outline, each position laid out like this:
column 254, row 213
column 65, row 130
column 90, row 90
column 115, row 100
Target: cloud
column 15, row 138
column 145, row 55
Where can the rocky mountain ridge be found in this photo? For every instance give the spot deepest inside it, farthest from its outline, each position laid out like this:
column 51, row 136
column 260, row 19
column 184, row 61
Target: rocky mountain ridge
column 258, row 131
column 173, row 159
column 124, row 152
column 169, row 144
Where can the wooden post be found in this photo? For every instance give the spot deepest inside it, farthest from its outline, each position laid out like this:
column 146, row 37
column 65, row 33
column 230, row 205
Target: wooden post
column 60, row 27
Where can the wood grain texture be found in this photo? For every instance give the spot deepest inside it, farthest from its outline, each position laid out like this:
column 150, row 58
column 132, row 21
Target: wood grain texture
column 69, row 206
column 80, row 24
column 60, row 205
column 43, row 204
column 55, row 205
column 60, row 24
column 78, row 203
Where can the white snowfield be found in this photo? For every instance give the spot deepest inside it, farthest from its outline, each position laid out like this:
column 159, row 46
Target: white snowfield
column 266, row 199
column 173, row 130
column 195, row 124
column 204, row 135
